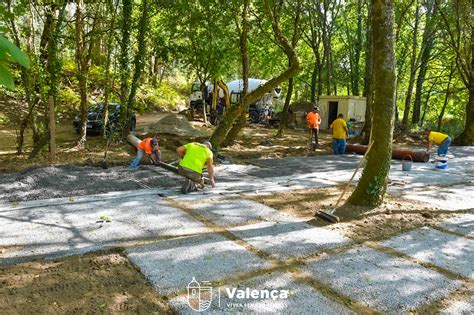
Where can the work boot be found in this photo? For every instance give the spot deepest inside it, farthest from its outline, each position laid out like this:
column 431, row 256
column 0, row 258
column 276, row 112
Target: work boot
column 188, row 186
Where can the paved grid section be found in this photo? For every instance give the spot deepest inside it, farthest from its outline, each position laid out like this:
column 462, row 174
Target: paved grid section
column 170, row 265
column 302, row 299
column 388, row 284
column 379, row 280
column 462, row 224
column 238, row 212
column 444, row 250
column 71, row 227
column 289, row 239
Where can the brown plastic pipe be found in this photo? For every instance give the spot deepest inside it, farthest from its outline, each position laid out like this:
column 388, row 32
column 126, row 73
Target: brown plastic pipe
column 397, row 154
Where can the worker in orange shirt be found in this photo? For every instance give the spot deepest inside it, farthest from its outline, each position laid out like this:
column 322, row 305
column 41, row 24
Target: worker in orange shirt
column 148, row 146
column 314, row 120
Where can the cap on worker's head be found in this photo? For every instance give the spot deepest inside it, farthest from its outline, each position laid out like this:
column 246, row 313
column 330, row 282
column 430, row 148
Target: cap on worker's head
column 316, row 108
column 207, row 144
column 154, row 142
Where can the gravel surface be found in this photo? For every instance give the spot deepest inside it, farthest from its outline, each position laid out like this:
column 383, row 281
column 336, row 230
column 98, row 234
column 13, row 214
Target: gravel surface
column 444, row 250
column 289, row 239
column 70, row 180
column 388, row 284
column 72, row 228
column 301, row 300
column 236, row 212
column 170, row 265
column 463, row 224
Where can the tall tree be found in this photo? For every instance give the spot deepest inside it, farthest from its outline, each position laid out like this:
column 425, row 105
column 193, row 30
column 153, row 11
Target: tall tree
column 428, row 41
column 244, row 57
column 82, row 68
column 295, row 10
column 413, row 66
column 368, row 77
column 457, row 18
column 372, row 185
column 125, row 47
column 231, row 115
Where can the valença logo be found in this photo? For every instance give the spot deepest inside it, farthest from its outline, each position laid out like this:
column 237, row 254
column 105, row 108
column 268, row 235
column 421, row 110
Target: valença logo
column 201, row 295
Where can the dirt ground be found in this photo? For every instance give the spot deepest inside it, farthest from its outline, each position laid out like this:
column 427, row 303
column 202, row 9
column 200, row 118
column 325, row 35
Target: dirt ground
column 393, row 217
column 107, row 282
column 100, row 283
column 255, row 141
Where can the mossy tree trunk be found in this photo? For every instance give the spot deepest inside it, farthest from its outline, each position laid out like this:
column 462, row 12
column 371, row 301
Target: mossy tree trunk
column 127, row 8
column 82, row 65
column 138, row 61
column 457, row 18
column 294, row 41
column 235, row 112
column 368, row 78
column 243, row 35
column 373, row 184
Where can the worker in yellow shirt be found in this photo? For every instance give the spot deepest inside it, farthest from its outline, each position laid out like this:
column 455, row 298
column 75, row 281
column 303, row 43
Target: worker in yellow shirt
column 339, row 135
column 442, row 140
column 194, row 157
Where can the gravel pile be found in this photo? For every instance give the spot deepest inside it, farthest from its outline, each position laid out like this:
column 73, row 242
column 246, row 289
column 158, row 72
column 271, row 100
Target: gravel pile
column 71, row 180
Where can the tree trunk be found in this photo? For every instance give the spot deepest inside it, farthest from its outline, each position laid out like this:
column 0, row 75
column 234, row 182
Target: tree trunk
column 286, row 107
column 25, row 80
column 467, row 136
column 243, row 36
column 372, row 186
column 368, row 78
column 426, row 48
column 314, row 78
column 231, row 115
column 446, row 98
column 81, row 72
column 284, row 112
column 127, row 8
column 357, row 51
column 413, row 68
column 138, row 62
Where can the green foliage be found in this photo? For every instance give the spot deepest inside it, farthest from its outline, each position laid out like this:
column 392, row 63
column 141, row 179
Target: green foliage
column 67, row 101
column 164, row 96
column 10, row 53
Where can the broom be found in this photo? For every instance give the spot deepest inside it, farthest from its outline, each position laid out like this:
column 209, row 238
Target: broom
column 329, row 215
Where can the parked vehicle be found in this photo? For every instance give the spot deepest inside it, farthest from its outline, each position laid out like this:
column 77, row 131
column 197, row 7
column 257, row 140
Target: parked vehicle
column 95, row 121
column 259, row 111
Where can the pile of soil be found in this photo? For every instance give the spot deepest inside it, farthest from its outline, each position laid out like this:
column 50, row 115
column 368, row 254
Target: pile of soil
column 71, row 180
column 178, row 125
column 90, row 284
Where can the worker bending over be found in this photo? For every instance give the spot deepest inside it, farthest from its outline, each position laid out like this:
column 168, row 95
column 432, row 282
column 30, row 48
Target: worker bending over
column 148, row 146
column 194, row 157
column 442, row 140
column 339, row 134
column 314, row 120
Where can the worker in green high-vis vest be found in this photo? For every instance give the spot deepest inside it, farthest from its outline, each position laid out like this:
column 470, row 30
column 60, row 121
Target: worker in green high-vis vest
column 194, row 157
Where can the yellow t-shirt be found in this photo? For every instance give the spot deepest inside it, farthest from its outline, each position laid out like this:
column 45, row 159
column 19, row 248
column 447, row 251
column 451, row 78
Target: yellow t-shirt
column 437, row 137
column 196, row 156
column 338, row 131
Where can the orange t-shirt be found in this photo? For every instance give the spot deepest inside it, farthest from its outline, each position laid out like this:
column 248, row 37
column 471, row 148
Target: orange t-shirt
column 145, row 145
column 313, row 120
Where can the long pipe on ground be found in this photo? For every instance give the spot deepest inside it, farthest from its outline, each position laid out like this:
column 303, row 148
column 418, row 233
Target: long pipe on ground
column 133, row 140
column 397, row 154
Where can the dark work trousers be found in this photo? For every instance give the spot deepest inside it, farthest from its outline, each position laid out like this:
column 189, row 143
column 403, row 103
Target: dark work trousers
column 314, row 134
column 192, row 178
